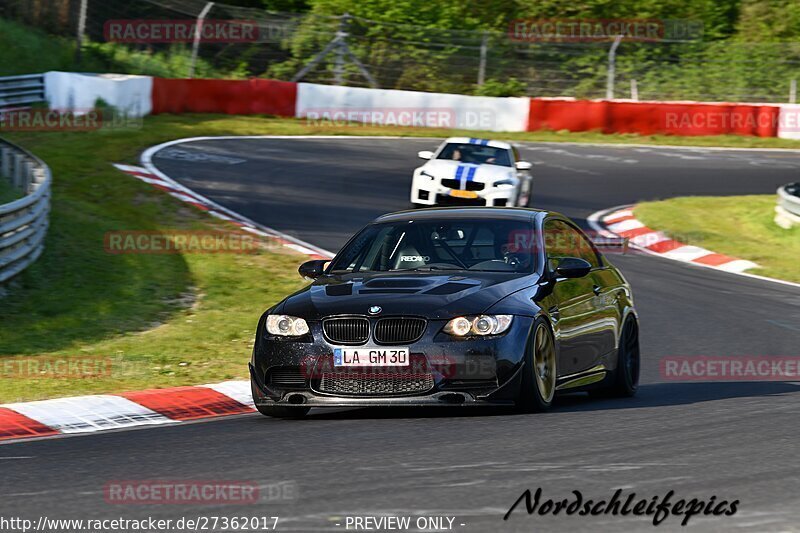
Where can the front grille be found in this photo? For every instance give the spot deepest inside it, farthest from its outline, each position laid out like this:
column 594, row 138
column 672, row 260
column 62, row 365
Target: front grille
column 443, row 199
column 346, row 330
column 354, row 383
column 286, row 376
column 468, row 185
column 399, row 330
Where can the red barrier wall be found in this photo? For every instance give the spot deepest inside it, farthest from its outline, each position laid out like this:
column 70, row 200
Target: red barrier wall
column 233, row 97
column 649, row 118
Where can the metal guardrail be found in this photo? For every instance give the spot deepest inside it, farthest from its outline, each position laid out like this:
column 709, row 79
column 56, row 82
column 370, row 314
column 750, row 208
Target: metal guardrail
column 789, row 198
column 23, row 222
column 21, row 91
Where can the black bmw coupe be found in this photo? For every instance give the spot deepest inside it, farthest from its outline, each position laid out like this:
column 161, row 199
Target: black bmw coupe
column 450, row 306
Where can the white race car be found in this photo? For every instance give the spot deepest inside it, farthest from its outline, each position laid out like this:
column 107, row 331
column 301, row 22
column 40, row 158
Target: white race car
column 468, row 171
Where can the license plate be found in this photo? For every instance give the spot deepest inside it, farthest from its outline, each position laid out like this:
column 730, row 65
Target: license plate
column 366, row 356
column 463, row 194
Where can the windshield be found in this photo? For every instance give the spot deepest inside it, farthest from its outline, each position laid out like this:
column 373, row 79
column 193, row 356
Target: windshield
column 475, row 153
column 474, row 245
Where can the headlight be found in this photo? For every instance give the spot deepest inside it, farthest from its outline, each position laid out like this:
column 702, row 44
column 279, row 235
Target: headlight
column 478, row 325
column 431, row 176
column 286, row 326
column 503, row 183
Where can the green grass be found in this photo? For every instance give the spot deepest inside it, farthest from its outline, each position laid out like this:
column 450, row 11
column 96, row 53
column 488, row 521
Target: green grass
column 739, row 226
column 7, row 192
column 28, row 50
column 167, row 320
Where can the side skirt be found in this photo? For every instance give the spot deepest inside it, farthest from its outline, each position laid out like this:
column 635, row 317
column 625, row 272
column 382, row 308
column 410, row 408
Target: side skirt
column 581, row 379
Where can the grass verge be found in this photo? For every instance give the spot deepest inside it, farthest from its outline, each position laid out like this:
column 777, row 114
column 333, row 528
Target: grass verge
column 167, row 320
column 8, row 193
column 739, row 226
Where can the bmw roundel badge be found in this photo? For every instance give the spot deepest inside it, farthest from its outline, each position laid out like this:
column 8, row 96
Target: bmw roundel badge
column 375, row 309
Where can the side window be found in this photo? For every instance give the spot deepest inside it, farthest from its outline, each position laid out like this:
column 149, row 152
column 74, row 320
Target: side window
column 563, row 240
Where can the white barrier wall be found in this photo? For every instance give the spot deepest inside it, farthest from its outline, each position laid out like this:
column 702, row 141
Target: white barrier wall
column 789, row 122
column 131, row 95
column 328, row 103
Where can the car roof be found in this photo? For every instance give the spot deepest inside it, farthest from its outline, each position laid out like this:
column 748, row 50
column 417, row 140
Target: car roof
column 475, row 140
column 462, row 213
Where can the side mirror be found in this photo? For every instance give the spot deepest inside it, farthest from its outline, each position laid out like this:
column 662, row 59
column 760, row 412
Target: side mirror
column 425, row 154
column 572, row 267
column 312, row 269
column 523, row 165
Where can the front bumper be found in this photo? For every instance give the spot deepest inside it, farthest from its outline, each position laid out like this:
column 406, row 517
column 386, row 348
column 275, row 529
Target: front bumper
column 476, row 371
column 426, row 191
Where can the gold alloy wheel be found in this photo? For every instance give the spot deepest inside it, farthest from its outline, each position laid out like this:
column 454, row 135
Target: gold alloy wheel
column 544, row 364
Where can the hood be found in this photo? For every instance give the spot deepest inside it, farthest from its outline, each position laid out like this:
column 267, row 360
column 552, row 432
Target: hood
column 432, row 295
column 447, row 169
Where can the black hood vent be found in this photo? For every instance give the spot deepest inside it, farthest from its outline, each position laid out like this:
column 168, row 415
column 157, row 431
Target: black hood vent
column 450, row 288
column 342, row 289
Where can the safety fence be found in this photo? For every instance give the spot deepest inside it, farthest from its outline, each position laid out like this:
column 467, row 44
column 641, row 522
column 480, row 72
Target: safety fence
column 23, row 222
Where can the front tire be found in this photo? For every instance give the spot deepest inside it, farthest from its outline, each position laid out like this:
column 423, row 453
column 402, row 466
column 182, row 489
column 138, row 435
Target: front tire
column 524, row 197
column 540, row 371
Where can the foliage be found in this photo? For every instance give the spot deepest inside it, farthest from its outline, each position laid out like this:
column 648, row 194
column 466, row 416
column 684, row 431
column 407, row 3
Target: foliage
column 494, row 87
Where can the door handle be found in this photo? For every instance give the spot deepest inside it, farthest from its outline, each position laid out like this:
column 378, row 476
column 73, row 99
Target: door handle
column 597, row 290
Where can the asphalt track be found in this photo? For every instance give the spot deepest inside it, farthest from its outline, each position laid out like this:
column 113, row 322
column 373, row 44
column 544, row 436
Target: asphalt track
column 729, row 440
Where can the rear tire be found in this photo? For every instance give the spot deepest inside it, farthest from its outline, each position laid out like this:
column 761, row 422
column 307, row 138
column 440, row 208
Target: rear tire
column 624, row 381
column 540, row 371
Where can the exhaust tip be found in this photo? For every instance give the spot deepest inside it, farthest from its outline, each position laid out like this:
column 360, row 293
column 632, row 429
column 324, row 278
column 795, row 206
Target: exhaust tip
column 296, row 399
column 452, row 398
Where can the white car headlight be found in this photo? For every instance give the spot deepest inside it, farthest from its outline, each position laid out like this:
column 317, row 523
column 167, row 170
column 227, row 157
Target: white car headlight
column 286, row 326
column 478, row 325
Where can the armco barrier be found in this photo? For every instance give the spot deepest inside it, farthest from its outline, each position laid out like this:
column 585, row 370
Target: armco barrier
column 20, row 91
column 23, row 222
column 787, row 212
column 648, row 118
column 390, row 107
column 232, row 97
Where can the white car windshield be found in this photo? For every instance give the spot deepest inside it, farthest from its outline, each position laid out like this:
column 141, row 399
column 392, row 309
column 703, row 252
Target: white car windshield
column 475, row 153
